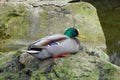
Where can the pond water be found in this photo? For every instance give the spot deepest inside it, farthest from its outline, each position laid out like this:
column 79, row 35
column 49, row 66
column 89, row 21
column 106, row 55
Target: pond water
column 109, row 15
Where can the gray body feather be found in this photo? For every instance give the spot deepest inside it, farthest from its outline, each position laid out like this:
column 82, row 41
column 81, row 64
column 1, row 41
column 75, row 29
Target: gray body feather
column 68, row 45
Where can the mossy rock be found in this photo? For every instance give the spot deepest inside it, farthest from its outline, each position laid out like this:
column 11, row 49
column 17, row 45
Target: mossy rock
column 91, row 63
column 81, row 66
column 25, row 24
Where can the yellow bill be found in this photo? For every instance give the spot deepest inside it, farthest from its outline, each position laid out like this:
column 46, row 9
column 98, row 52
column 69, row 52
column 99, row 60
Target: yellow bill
column 81, row 36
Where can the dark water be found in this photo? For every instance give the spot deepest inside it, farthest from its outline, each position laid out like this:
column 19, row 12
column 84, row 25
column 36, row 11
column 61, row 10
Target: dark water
column 109, row 15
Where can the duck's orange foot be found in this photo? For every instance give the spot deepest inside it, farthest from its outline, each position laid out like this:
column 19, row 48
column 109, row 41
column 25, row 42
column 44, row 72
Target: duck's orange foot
column 61, row 55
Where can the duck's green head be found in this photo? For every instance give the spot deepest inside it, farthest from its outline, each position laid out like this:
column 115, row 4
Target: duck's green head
column 71, row 32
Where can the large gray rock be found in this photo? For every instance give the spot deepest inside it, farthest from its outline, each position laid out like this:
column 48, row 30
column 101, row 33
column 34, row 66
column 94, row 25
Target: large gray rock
column 90, row 63
column 36, row 20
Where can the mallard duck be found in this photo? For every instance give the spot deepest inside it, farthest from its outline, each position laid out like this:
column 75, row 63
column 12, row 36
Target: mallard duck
column 56, row 45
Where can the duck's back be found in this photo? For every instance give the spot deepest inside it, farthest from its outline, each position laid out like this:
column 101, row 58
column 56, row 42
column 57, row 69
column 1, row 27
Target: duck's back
column 44, row 42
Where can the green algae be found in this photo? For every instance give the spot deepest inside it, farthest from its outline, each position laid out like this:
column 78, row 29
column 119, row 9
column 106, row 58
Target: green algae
column 13, row 24
column 109, row 71
column 87, row 15
column 61, row 70
column 14, row 20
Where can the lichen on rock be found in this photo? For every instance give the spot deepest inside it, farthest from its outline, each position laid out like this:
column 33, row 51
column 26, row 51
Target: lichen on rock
column 86, row 64
column 90, row 63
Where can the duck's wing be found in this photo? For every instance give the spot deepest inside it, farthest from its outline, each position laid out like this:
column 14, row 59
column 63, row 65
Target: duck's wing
column 42, row 43
column 67, row 46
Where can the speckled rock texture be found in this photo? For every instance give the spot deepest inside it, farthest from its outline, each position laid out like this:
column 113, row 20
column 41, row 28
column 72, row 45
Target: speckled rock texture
column 90, row 63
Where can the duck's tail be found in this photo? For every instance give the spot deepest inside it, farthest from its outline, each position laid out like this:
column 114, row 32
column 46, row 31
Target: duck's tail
column 34, row 50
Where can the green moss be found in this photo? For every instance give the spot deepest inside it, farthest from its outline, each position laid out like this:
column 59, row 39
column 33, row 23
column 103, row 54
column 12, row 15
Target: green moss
column 6, row 58
column 36, row 75
column 109, row 71
column 8, row 76
column 60, row 71
column 82, row 8
column 64, row 70
column 18, row 25
column 3, row 20
column 10, row 67
column 87, row 75
column 14, row 24
column 87, row 19
column 15, row 20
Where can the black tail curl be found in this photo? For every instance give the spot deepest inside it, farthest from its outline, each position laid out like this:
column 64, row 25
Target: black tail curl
column 35, row 49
